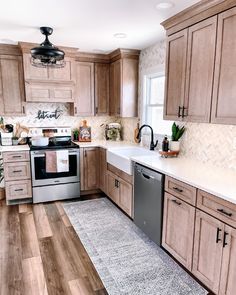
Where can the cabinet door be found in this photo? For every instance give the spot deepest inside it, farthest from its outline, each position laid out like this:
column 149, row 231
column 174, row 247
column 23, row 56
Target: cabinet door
column 84, row 100
column 129, row 96
column 224, row 99
column 178, row 229
column 12, row 93
column 228, row 271
column 91, row 168
column 102, row 74
column 200, row 69
column 176, row 58
column 103, row 170
column 208, row 248
column 112, row 187
column 126, row 196
column 115, row 87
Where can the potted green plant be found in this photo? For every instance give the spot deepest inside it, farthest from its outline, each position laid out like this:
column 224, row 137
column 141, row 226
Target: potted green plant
column 177, row 133
column 76, row 134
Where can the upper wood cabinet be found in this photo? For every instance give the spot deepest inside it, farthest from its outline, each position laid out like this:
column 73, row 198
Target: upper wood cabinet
column 84, row 97
column 102, row 77
column 12, row 94
column 224, row 99
column 176, row 58
column 200, row 70
column 124, row 87
column 189, row 70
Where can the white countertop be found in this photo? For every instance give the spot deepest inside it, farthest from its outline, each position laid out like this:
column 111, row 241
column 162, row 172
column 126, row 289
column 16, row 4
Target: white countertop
column 217, row 181
column 106, row 144
column 14, row 148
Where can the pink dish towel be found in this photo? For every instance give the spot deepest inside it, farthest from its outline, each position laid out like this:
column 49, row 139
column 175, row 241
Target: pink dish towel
column 51, row 161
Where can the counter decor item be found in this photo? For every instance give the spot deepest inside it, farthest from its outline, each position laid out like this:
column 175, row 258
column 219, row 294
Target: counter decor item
column 113, row 131
column 84, row 132
column 15, row 140
column 136, row 130
column 165, row 144
column 177, row 133
column 40, row 141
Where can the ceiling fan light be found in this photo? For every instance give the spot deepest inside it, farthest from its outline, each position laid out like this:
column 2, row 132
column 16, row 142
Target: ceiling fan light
column 46, row 54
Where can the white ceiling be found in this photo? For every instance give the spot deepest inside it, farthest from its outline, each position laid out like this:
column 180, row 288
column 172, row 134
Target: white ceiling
column 87, row 24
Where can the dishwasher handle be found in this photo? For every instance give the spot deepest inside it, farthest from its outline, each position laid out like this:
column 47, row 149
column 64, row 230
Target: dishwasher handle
column 147, row 176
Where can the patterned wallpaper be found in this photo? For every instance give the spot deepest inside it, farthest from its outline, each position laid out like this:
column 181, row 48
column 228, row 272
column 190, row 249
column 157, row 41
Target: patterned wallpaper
column 211, row 143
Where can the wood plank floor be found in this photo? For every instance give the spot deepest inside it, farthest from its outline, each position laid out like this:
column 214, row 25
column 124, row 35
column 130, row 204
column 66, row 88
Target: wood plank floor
column 40, row 253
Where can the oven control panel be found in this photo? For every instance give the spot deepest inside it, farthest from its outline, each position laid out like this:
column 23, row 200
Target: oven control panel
column 49, row 131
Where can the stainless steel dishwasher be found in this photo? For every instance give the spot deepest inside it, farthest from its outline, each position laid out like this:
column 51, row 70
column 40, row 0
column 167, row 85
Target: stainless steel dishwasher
column 148, row 201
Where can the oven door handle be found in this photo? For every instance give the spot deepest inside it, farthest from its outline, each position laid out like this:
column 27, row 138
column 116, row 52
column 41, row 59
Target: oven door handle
column 42, row 153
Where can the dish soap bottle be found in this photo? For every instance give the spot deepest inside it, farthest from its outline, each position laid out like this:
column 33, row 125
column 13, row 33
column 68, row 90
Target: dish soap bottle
column 165, row 144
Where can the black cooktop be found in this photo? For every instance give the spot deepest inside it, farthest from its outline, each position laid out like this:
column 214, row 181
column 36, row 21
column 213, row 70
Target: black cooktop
column 56, row 143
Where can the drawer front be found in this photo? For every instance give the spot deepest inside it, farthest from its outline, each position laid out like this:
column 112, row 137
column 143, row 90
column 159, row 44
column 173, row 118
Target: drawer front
column 16, row 171
column 217, row 207
column 15, row 156
column 18, row 190
column 181, row 190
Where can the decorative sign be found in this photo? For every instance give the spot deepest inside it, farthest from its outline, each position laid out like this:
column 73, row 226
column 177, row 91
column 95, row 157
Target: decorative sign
column 49, row 115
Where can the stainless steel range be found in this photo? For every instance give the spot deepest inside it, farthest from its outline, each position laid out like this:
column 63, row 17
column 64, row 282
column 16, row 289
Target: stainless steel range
column 56, row 185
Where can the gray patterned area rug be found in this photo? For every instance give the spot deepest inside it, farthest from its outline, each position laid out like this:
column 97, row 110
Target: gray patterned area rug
column 126, row 260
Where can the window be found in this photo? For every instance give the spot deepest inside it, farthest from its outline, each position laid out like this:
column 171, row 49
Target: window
column 154, row 87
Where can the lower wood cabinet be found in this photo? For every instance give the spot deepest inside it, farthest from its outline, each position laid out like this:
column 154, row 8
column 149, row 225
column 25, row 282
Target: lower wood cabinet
column 207, row 255
column 89, row 168
column 121, row 192
column 214, row 260
column 103, row 170
column 17, row 177
column 178, row 229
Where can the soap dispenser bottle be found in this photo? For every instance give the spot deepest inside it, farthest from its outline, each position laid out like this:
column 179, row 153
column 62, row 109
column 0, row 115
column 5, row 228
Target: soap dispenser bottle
column 165, row 144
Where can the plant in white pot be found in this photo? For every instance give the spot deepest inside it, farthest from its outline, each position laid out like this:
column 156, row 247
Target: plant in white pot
column 177, row 132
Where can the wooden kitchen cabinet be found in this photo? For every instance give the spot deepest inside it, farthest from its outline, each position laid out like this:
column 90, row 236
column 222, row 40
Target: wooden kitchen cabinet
column 84, row 96
column 200, row 70
column 120, row 190
column 178, row 229
column 176, row 60
column 124, row 87
column 224, row 100
column 207, row 255
column 228, row 270
column 17, row 177
column 102, row 77
column 89, row 168
column 103, row 170
column 12, row 94
column 190, row 69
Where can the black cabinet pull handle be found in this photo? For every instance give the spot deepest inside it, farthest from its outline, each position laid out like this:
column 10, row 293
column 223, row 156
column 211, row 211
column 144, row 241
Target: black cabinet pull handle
column 118, row 183
column 224, row 241
column 17, row 171
column 224, row 212
column 176, row 202
column 19, row 190
column 217, row 235
column 16, row 157
column 178, row 189
column 179, row 115
column 183, row 115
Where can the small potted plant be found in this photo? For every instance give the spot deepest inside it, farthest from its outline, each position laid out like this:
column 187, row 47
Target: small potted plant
column 76, row 134
column 177, row 132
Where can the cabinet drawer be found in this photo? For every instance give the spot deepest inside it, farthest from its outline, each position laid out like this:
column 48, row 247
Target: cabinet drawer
column 17, row 171
column 15, row 156
column 217, row 207
column 181, row 190
column 18, row 190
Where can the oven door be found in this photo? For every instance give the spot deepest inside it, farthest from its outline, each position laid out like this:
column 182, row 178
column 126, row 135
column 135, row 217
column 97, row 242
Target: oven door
column 38, row 169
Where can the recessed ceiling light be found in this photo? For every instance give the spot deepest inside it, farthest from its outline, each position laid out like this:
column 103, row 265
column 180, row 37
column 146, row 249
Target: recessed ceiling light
column 120, row 35
column 164, row 5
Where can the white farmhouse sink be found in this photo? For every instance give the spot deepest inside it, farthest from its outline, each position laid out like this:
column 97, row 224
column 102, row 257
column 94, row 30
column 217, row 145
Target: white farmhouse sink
column 121, row 157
